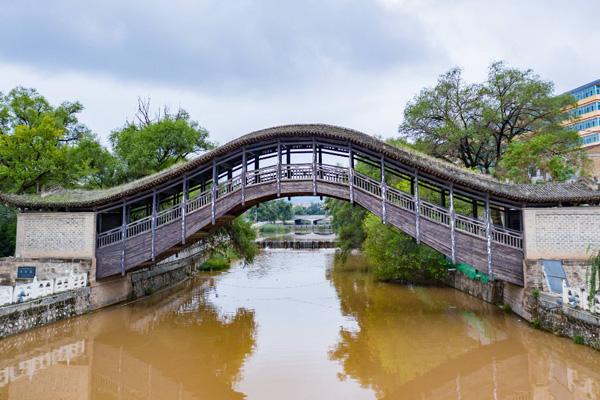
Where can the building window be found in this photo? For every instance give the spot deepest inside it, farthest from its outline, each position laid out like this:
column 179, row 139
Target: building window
column 587, row 124
column 589, row 139
column 586, row 92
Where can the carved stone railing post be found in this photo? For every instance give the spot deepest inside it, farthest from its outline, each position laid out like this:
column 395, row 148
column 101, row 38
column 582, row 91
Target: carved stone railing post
column 488, row 235
column 452, row 224
column 417, row 201
column 214, row 192
column 278, row 168
column 383, row 190
column 244, row 167
column 314, row 167
column 351, row 172
column 184, row 201
column 154, row 208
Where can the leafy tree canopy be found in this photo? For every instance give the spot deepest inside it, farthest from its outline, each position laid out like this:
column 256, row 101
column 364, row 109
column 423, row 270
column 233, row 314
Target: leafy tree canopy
column 150, row 144
column 476, row 125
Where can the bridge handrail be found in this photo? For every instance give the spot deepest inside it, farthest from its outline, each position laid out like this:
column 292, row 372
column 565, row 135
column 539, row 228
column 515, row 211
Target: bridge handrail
column 169, row 215
column 109, row 237
column 508, row 237
column 200, row 201
column 470, row 225
column 366, row 184
column 434, row 213
column 400, row 199
column 140, row 226
column 327, row 173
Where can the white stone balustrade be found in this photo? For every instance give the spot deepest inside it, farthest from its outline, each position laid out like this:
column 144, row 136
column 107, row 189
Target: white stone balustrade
column 578, row 298
column 6, row 295
column 32, row 290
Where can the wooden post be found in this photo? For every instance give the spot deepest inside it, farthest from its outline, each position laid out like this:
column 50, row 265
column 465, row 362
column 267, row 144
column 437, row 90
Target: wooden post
column 417, row 201
column 256, row 168
column 488, row 235
column 383, row 190
column 314, row 167
column 154, row 207
column 288, row 161
column 214, row 191
column 351, row 172
column 452, row 224
column 243, row 176
column 123, row 236
column 320, row 160
column 184, row 201
column 278, row 168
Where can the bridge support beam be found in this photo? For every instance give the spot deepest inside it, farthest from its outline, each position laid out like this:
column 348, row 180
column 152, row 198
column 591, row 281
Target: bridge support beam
column 244, row 167
column 154, row 211
column 123, row 236
column 417, row 201
column 184, row 201
column 351, row 172
column 452, row 225
column 488, row 235
column 314, row 167
column 214, row 192
column 383, row 190
column 278, row 168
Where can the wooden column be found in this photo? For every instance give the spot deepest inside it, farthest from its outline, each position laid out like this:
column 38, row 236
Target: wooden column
column 314, row 167
column 244, row 176
column 256, row 168
column 123, row 236
column 351, row 172
column 154, row 208
column 214, row 192
column 184, row 201
column 278, row 168
column 383, row 190
column 452, row 224
column 288, row 162
column 488, row 235
column 417, row 201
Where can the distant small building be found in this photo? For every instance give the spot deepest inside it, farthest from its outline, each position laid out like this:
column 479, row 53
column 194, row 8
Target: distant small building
column 312, row 220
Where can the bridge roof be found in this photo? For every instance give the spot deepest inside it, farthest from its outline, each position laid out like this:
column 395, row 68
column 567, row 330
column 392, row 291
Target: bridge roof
column 580, row 191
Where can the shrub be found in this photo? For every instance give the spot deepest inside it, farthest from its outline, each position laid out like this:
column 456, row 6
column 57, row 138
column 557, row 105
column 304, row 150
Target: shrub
column 215, row 263
column 536, row 323
column 578, row 339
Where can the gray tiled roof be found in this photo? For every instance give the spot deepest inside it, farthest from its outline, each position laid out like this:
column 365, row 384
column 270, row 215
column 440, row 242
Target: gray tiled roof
column 581, row 191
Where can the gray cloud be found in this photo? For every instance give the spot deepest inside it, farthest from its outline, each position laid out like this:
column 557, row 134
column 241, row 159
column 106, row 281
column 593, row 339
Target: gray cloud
column 220, row 46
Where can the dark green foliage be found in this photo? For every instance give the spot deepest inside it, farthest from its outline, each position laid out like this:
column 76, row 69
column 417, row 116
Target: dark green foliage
column 215, row 263
column 272, row 211
column 347, row 224
column 396, row 256
column 536, row 323
column 578, row 339
column 510, row 125
column 235, row 240
column 535, row 293
column 148, row 291
column 8, row 231
column 150, row 144
column 274, row 229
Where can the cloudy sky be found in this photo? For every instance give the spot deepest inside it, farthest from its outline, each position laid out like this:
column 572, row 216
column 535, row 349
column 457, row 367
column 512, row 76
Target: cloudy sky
column 242, row 65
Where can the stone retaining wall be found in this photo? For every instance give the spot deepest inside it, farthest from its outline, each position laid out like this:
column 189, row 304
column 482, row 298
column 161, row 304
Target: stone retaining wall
column 16, row 318
column 46, row 268
column 568, row 322
column 490, row 292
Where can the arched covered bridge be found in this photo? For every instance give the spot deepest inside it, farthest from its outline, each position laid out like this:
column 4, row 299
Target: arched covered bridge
column 467, row 216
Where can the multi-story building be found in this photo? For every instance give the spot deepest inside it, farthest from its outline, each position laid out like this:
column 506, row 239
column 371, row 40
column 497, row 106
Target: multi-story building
column 586, row 121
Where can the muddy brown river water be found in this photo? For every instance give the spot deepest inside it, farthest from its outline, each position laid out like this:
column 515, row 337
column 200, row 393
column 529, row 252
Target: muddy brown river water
column 295, row 326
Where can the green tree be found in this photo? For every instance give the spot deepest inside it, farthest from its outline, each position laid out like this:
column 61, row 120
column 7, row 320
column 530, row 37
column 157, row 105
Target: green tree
column 150, row 144
column 396, row 256
column 274, row 210
column 43, row 146
column 347, row 223
column 475, row 124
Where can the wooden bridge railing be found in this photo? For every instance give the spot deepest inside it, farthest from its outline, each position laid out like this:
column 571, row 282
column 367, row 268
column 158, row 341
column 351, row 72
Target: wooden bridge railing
column 325, row 173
